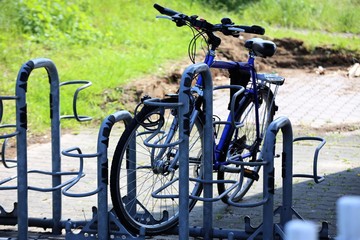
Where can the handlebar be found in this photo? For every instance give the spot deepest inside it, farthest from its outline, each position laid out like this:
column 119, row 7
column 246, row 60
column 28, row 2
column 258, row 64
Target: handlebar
column 165, row 11
column 226, row 26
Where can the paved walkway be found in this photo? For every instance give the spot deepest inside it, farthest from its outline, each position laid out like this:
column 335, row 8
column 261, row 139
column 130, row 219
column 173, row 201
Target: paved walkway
column 315, row 105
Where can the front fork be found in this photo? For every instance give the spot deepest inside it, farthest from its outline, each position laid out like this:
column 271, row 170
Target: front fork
column 166, row 160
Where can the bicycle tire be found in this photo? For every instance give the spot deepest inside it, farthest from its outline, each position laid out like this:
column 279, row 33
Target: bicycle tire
column 136, row 208
column 246, row 116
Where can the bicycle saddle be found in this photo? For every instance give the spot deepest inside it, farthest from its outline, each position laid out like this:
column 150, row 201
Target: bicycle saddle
column 262, row 48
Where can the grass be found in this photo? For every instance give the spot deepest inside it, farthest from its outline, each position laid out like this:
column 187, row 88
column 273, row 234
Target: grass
column 124, row 41
column 325, row 15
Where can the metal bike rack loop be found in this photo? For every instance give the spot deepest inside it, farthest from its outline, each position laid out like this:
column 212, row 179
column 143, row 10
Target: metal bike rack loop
column 22, row 186
column 21, row 125
column 184, row 132
column 104, row 224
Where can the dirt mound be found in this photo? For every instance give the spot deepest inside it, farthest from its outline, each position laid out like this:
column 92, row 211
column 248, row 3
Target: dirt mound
column 290, row 53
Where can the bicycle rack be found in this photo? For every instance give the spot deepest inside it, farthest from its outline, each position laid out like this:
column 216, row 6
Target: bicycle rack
column 267, row 228
column 104, row 224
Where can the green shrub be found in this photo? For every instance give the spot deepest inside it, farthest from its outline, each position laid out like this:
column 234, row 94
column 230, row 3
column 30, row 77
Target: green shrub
column 56, row 20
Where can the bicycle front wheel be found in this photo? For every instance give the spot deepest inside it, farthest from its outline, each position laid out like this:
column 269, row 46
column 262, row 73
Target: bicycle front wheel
column 244, row 142
column 138, row 170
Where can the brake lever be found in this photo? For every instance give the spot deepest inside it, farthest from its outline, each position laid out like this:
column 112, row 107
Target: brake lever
column 175, row 18
column 165, row 17
column 236, row 29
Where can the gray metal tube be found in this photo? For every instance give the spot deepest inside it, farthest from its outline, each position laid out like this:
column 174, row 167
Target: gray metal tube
column 208, row 154
column 21, row 125
column 55, row 137
column 103, row 143
column 284, row 124
column 287, row 170
column 184, row 132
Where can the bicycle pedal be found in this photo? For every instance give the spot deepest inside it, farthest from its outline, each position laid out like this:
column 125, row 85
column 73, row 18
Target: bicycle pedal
column 251, row 174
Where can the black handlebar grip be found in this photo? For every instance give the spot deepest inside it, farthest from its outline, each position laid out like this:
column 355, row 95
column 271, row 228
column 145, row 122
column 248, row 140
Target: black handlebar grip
column 165, row 11
column 253, row 29
column 258, row 30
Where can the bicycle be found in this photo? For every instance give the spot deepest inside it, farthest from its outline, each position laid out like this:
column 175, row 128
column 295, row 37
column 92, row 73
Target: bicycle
column 145, row 161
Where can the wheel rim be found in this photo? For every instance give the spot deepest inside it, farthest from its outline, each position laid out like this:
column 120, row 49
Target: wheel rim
column 137, row 181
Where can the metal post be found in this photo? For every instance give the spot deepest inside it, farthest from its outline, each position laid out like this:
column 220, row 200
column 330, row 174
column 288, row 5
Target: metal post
column 284, row 124
column 103, row 142
column 21, row 125
column 208, row 154
column 55, row 137
column 184, row 132
column 287, row 171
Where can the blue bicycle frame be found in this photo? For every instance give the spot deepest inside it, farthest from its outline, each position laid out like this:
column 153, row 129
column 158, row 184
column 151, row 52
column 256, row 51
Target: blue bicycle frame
column 248, row 66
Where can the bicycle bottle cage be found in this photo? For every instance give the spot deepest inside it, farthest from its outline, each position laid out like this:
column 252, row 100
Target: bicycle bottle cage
column 260, row 47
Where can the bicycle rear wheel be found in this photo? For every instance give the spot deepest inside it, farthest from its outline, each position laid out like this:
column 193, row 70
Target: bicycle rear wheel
column 244, row 142
column 138, row 170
